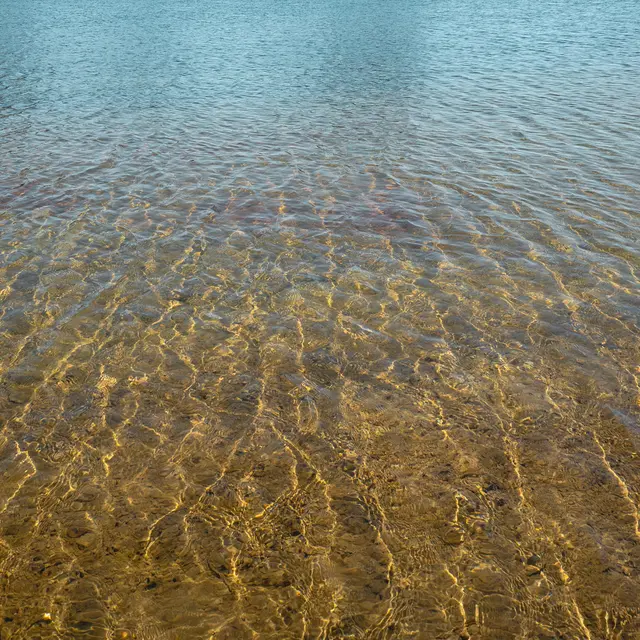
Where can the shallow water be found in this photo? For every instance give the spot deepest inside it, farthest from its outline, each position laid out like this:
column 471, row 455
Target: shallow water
column 320, row 320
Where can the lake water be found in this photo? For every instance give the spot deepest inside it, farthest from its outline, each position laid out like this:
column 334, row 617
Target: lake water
column 320, row 319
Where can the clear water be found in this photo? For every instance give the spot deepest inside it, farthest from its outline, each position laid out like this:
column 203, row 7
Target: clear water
column 320, row 319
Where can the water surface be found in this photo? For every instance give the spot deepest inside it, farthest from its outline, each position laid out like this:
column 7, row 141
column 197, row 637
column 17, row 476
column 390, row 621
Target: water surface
column 320, row 319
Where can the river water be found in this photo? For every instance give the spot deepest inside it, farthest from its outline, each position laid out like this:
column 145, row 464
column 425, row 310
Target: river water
column 320, row 319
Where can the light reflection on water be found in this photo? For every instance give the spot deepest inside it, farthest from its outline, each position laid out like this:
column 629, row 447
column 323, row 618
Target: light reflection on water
column 319, row 320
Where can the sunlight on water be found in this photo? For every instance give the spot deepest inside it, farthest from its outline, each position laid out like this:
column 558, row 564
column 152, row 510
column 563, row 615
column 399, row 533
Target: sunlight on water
column 320, row 320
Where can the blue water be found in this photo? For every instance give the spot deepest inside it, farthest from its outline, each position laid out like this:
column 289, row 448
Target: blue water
column 320, row 319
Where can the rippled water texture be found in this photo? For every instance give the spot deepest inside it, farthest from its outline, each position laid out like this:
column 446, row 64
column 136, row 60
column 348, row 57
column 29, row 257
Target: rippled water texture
column 320, row 319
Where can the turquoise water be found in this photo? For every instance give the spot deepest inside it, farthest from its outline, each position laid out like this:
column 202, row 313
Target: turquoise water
column 320, row 320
